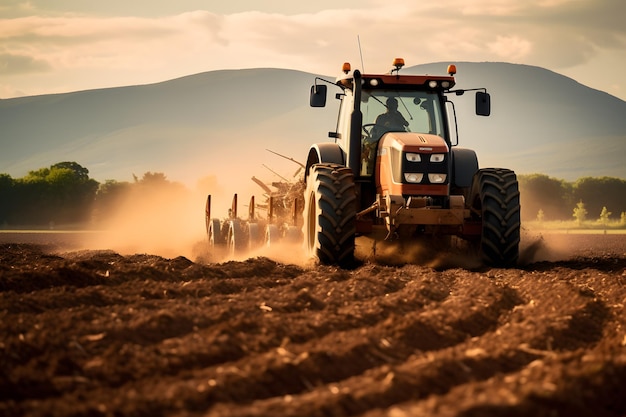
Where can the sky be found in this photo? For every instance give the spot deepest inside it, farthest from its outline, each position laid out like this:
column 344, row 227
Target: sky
column 56, row 46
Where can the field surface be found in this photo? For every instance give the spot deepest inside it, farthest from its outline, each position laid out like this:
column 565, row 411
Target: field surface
column 97, row 333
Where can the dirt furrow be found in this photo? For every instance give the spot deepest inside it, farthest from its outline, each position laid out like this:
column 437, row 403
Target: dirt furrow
column 124, row 364
column 430, row 373
column 116, row 344
column 95, row 333
column 299, row 368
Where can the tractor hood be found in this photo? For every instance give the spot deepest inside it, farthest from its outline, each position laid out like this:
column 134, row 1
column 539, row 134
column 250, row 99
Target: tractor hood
column 412, row 164
column 414, row 142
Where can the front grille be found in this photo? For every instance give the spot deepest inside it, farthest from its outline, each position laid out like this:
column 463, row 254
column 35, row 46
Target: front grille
column 426, row 167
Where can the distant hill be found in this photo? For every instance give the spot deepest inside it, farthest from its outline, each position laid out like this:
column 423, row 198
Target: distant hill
column 188, row 128
column 220, row 123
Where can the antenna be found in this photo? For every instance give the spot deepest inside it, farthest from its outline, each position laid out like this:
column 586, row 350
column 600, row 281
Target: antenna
column 358, row 39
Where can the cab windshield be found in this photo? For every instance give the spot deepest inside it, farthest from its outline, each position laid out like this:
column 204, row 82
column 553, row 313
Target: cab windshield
column 401, row 111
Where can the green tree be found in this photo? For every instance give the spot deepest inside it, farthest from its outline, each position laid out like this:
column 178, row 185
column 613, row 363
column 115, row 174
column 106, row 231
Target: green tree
column 604, row 216
column 541, row 192
column 73, row 192
column 580, row 212
column 540, row 216
column 156, row 178
column 62, row 193
column 601, row 192
column 142, row 197
column 7, row 191
column 78, row 172
column 155, row 182
column 31, row 199
column 109, row 197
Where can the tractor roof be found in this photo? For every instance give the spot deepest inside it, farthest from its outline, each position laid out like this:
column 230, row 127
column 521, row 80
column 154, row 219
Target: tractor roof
column 397, row 81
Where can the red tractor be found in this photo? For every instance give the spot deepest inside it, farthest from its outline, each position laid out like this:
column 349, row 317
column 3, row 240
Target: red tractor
column 395, row 171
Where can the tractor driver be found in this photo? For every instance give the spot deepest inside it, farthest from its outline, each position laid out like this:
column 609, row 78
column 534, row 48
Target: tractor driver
column 389, row 121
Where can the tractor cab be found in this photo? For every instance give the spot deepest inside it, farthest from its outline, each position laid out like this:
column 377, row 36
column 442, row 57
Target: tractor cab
column 418, row 103
column 392, row 110
column 399, row 141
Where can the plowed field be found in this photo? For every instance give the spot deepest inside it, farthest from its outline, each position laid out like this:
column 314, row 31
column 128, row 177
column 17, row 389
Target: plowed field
column 97, row 333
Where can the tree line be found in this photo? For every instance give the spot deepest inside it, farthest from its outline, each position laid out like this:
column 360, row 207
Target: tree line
column 555, row 199
column 64, row 194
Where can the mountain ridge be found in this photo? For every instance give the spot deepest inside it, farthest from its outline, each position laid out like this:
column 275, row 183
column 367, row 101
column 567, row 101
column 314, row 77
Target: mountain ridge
column 221, row 122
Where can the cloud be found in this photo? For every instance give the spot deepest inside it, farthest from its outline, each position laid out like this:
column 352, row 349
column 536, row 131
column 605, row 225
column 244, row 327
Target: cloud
column 482, row 29
column 21, row 64
column 556, row 34
column 16, row 8
column 8, row 91
column 511, row 48
column 119, row 42
column 36, row 30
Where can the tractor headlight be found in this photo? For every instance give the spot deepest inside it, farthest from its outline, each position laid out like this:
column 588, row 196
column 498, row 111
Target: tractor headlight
column 413, row 177
column 432, row 84
column 436, row 178
column 413, row 157
column 437, row 157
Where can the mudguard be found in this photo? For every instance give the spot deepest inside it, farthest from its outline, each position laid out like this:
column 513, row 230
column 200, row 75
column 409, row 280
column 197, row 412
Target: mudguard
column 325, row 153
column 464, row 166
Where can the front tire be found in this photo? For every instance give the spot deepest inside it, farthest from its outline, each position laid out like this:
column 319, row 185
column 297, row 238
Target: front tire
column 496, row 197
column 330, row 214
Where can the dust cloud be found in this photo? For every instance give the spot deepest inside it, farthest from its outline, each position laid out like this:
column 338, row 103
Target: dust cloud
column 160, row 220
column 284, row 251
column 437, row 253
column 157, row 217
column 541, row 245
column 168, row 219
column 170, row 222
column 452, row 252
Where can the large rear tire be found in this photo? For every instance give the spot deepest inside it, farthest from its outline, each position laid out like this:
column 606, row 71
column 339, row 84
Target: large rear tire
column 330, row 214
column 496, row 197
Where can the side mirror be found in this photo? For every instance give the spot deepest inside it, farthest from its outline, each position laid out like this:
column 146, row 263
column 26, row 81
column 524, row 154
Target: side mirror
column 483, row 103
column 318, row 95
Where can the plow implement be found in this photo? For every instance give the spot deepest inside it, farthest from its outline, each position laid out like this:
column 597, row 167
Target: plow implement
column 277, row 218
